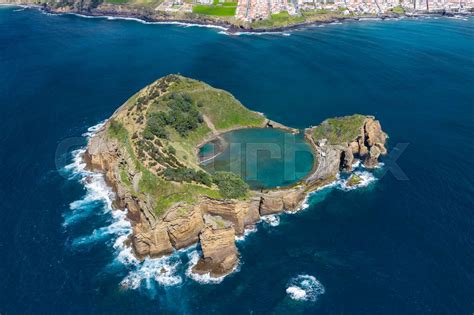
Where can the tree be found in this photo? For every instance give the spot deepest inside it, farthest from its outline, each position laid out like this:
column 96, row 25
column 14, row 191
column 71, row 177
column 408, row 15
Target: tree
column 230, row 185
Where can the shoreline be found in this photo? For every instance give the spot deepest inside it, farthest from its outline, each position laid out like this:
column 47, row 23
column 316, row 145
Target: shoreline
column 228, row 27
column 208, row 219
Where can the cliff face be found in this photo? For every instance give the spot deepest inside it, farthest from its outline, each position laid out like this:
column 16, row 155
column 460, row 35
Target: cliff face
column 220, row 254
column 170, row 214
column 338, row 141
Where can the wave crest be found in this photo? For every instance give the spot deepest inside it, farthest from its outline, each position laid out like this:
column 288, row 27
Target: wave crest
column 305, row 288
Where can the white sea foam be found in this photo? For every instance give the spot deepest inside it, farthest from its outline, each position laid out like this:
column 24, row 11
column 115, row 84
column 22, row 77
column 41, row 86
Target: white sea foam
column 370, row 19
column 272, row 220
column 247, row 232
column 356, row 163
column 120, row 226
column 97, row 192
column 204, row 278
column 305, row 288
column 125, row 254
column 162, row 270
column 366, row 178
column 226, row 32
column 112, row 18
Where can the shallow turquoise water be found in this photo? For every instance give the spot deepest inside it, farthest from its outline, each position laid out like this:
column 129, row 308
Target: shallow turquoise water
column 392, row 247
column 264, row 158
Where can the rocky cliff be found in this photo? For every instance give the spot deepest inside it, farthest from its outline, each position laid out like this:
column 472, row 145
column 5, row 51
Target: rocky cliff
column 155, row 173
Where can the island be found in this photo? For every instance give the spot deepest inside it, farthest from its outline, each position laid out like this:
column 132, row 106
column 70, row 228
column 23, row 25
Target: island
column 252, row 15
column 148, row 153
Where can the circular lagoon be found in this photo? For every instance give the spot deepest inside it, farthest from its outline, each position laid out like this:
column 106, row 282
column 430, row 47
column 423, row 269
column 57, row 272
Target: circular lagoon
column 263, row 157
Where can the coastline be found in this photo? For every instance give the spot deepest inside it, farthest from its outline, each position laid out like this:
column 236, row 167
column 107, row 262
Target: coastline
column 226, row 26
column 206, row 218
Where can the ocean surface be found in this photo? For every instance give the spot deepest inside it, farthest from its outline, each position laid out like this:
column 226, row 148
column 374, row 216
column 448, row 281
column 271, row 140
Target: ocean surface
column 390, row 246
column 264, row 158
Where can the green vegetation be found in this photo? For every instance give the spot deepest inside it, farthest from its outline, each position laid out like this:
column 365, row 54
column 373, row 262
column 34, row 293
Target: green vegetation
column 354, row 180
column 217, row 9
column 116, row 130
column 182, row 115
column 230, row 185
column 398, row 10
column 160, row 127
column 124, row 178
column 339, row 130
column 117, row 1
column 285, row 19
column 317, row 11
column 278, row 20
column 223, row 110
column 228, row 4
column 187, row 175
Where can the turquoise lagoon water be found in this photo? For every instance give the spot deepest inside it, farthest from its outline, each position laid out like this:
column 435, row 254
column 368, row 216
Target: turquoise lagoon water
column 264, row 158
column 390, row 247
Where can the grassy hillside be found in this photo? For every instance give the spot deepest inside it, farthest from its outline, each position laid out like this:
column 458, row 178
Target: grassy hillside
column 340, row 130
column 160, row 127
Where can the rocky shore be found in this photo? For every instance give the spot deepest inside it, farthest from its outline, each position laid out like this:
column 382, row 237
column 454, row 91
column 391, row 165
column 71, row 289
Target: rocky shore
column 213, row 222
column 229, row 25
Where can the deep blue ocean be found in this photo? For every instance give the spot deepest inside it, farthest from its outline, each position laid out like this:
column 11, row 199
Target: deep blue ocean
column 390, row 247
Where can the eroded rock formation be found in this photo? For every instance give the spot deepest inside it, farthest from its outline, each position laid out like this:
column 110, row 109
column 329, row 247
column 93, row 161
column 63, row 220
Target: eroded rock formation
column 184, row 223
column 220, row 254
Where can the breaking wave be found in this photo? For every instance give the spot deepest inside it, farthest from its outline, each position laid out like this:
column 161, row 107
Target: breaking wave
column 204, row 278
column 162, row 270
column 272, row 219
column 305, row 288
column 247, row 232
column 112, row 18
column 366, row 178
column 226, row 32
column 174, row 269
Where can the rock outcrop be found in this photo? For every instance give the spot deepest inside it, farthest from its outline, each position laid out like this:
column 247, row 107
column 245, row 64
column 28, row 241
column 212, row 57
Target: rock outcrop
column 374, row 139
column 347, row 157
column 292, row 200
column 253, row 212
column 271, row 203
column 154, row 243
column 184, row 223
column 367, row 143
column 277, row 201
column 220, row 254
column 230, row 210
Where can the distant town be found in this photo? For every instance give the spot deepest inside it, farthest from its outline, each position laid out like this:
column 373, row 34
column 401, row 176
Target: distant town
column 254, row 15
column 255, row 10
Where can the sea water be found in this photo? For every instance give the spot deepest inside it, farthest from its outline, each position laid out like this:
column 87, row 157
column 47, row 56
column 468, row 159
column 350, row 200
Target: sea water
column 263, row 157
column 388, row 247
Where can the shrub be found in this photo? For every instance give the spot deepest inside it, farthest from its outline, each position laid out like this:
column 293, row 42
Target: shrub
column 183, row 174
column 156, row 124
column 171, row 150
column 182, row 116
column 230, row 185
column 117, row 130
